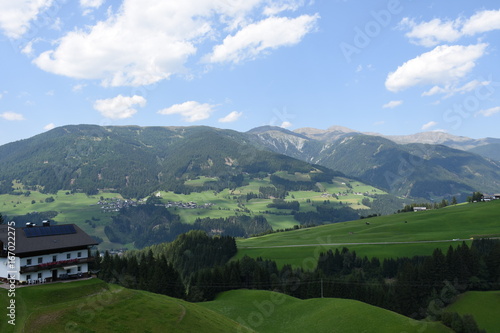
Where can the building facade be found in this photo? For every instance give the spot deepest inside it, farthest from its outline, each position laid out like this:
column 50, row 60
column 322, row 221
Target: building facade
column 37, row 254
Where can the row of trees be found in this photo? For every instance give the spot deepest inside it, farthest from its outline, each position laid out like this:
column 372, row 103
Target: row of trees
column 419, row 287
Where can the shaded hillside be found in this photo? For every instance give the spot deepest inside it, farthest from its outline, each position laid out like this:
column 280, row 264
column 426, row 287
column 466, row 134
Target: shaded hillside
column 134, row 161
column 491, row 150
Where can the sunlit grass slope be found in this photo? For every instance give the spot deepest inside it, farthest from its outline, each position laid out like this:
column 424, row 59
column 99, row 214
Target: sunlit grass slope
column 95, row 306
column 456, row 222
column 483, row 305
column 266, row 311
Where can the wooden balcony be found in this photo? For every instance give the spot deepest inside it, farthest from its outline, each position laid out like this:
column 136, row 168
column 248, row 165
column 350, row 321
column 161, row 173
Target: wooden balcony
column 55, row 264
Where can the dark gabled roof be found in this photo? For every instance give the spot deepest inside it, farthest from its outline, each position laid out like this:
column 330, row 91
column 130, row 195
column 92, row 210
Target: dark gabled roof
column 47, row 241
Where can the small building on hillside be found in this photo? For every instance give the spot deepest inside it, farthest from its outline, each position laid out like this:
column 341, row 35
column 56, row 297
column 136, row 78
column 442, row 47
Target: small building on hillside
column 419, row 209
column 37, row 254
column 497, row 196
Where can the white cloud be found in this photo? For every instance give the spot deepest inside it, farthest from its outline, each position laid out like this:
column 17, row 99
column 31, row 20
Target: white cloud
column 286, row 124
column 146, row 41
column 436, row 31
column 429, row 125
column 277, row 7
column 28, row 48
column 483, row 21
column 91, row 3
column 392, row 104
column 119, row 107
column 488, row 112
column 190, row 111
column 259, row 37
column 231, row 117
column 16, row 16
column 78, row 87
column 48, row 127
column 452, row 90
column 431, row 33
column 443, row 65
column 11, row 116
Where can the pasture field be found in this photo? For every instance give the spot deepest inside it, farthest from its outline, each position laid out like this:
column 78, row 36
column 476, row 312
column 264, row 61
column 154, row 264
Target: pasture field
column 410, row 233
column 483, row 305
column 95, row 306
column 266, row 311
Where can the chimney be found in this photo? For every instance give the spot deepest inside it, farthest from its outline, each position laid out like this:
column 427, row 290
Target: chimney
column 46, row 223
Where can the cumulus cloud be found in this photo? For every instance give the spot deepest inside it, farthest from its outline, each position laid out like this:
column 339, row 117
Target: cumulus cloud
column 443, row 65
column 11, row 116
column 437, row 31
column 16, row 16
column 392, row 104
column 119, row 107
column 488, row 112
column 49, row 126
column 231, row 117
column 429, row 125
column 259, row 37
column 146, row 41
column 190, row 111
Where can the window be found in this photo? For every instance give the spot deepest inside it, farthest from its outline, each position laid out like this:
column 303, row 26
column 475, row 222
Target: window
column 39, row 275
column 40, row 260
column 79, row 254
column 28, row 277
column 68, row 256
column 28, row 261
column 54, row 258
column 79, row 268
column 68, row 271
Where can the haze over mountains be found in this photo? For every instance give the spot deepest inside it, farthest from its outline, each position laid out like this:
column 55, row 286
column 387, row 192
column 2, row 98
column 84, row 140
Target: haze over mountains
column 139, row 160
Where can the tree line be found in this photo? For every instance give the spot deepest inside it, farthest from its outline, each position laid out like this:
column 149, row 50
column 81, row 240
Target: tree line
column 419, row 287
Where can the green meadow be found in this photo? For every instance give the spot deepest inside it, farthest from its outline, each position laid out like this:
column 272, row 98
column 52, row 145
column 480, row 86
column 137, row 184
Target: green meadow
column 446, row 225
column 483, row 305
column 266, row 311
column 95, row 306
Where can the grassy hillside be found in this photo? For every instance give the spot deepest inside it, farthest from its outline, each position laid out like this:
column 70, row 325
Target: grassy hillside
column 266, row 311
column 301, row 247
column 94, row 306
column 483, row 305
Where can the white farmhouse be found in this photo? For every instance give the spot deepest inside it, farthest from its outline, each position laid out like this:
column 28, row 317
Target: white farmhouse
column 45, row 253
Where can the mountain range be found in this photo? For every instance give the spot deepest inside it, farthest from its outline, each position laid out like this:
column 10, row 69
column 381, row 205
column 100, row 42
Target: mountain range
column 136, row 161
column 429, row 165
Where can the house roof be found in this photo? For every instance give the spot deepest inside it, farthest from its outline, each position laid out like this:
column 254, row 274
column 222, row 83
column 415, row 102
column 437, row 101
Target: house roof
column 44, row 239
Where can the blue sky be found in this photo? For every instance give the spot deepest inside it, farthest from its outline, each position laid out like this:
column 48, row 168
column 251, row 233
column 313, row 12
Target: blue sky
column 392, row 67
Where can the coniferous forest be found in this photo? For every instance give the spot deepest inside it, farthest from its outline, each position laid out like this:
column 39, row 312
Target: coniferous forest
column 197, row 268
